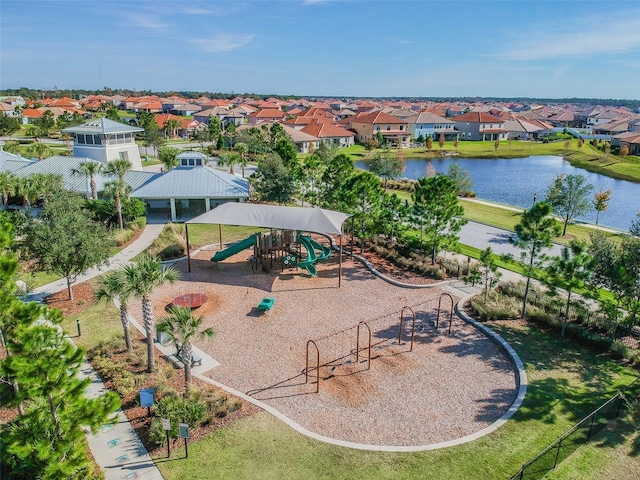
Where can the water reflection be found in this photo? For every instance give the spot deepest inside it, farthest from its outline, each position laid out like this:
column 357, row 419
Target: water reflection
column 514, row 181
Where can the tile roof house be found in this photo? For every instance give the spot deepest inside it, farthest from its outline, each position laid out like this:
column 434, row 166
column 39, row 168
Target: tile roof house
column 393, row 129
column 265, row 115
column 328, row 133
column 630, row 139
column 480, row 126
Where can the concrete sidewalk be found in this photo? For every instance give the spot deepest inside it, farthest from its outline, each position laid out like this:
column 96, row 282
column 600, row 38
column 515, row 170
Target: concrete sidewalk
column 149, row 234
column 116, row 448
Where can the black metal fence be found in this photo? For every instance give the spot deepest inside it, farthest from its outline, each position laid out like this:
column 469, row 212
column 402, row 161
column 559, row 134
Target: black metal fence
column 579, row 434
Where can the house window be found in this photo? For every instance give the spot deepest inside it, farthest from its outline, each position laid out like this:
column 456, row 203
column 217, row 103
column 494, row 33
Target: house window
column 199, row 161
column 97, row 139
column 401, row 127
column 377, row 128
column 80, row 138
column 192, row 162
column 388, row 127
column 124, row 155
column 89, row 139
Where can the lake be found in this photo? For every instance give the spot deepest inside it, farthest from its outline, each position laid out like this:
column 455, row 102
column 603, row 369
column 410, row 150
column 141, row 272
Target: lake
column 514, row 181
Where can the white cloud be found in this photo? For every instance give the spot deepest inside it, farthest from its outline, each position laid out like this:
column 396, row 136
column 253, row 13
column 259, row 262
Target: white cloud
column 148, row 22
column 223, row 42
column 315, row 2
column 586, row 37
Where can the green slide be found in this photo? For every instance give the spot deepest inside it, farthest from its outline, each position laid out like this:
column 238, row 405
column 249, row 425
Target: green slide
column 235, row 248
column 312, row 257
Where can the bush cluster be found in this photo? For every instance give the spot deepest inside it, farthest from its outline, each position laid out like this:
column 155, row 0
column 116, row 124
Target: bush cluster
column 416, row 260
column 198, row 408
column 130, row 231
column 505, row 304
column 171, row 242
column 404, row 184
column 121, row 378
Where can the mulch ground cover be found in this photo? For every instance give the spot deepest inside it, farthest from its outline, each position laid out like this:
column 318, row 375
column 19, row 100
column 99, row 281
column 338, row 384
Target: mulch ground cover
column 172, row 378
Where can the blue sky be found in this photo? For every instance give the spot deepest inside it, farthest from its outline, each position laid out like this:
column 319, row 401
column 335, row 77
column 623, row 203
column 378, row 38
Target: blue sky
column 559, row 48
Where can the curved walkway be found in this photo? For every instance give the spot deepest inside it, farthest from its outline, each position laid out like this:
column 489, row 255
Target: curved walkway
column 117, row 449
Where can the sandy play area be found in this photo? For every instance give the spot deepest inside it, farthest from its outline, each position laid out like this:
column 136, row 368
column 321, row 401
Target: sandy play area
column 447, row 387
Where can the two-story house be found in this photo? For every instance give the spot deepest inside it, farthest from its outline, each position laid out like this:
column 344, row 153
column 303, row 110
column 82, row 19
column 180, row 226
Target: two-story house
column 480, row 126
column 428, row 124
column 367, row 126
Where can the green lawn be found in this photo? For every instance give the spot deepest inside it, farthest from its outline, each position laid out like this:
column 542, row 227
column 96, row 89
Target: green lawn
column 99, row 322
column 201, row 235
column 566, row 383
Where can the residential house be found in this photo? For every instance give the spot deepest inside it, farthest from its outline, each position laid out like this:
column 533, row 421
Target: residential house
column 427, row 124
column 265, row 115
column 328, row 133
column 393, row 130
column 480, row 126
column 630, row 139
column 305, row 142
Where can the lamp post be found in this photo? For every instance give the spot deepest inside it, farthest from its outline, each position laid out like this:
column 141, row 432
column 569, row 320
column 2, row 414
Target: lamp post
column 535, row 197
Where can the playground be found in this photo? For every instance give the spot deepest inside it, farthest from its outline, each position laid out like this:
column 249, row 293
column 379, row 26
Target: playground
column 432, row 386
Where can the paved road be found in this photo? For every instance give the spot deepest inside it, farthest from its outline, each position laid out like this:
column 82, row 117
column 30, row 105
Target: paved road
column 482, row 236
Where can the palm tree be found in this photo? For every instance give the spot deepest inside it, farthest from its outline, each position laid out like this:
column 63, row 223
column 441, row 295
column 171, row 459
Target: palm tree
column 118, row 168
column 28, row 187
column 8, row 184
column 89, row 170
column 39, row 150
column 140, row 280
column 47, row 184
column 111, row 287
column 228, row 159
column 117, row 189
column 181, row 326
column 243, row 152
column 170, row 127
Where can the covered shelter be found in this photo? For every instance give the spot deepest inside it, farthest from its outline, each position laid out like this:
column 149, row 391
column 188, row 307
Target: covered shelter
column 309, row 219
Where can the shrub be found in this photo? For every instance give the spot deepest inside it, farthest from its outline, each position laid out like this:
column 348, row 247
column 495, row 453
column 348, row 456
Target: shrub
column 122, row 379
column 170, row 244
column 497, row 307
column 218, row 403
column 177, row 409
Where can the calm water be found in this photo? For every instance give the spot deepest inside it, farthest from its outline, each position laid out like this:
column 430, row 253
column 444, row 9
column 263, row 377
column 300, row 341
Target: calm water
column 514, row 181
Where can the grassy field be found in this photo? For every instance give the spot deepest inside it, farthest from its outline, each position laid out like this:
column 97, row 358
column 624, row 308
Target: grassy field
column 566, row 383
column 201, row 235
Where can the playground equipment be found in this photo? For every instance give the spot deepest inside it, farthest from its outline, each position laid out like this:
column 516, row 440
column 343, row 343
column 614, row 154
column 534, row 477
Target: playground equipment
column 235, row 248
column 279, row 248
column 190, row 299
column 312, row 257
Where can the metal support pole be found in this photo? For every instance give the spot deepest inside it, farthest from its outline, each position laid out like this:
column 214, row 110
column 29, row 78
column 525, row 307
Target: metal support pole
column 168, row 445
column 340, row 263
column 78, row 325
column 220, row 234
column 186, row 234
